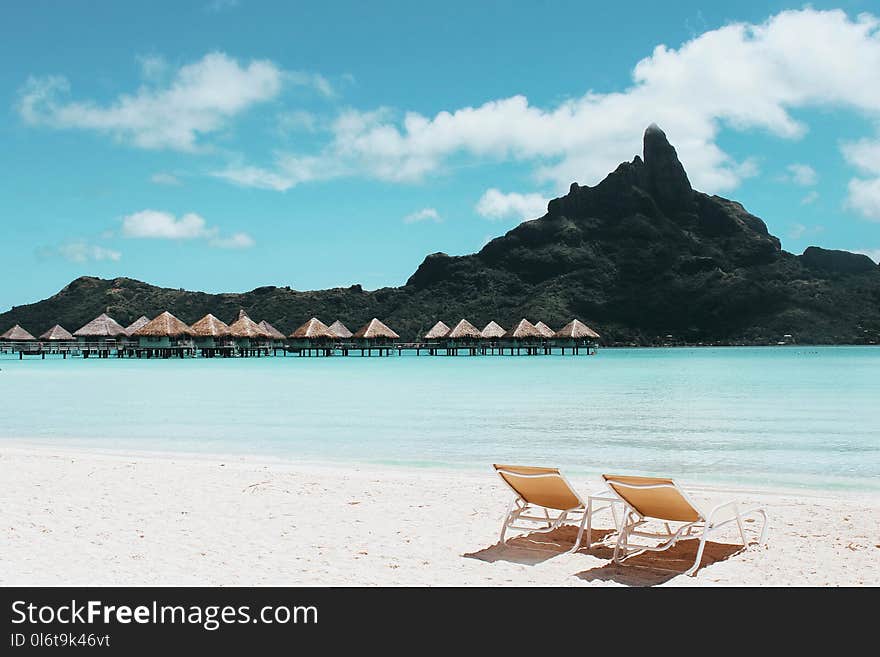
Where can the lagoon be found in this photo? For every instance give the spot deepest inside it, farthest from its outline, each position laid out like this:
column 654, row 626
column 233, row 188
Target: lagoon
column 793, row 417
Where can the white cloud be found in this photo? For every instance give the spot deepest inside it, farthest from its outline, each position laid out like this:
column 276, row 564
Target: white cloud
column 81, row 251
column 748, row 168
column 234, row 241
column 201, row 98
column 811, row 197
column 247, row 176
column 741, row 76
column 297, row 121
column 155, row 224
column 495, row 205
column 163, row 178
column 863, row 194
column 290, row 171
column 864, row 197
column 863, row 154
column 153, row 67
column 797, row 231
column 425, row 214
column 314, row 80
column 163, row 225
column 802, row 174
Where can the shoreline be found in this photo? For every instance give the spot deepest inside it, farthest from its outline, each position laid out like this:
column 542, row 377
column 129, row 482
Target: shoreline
column 80, row 517
column 40, row 447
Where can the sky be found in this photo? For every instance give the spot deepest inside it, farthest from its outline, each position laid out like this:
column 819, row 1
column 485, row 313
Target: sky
column 222, row 145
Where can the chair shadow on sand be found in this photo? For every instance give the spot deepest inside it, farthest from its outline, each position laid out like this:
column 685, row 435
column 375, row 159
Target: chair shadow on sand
column 532, row 549
column 648, row 569
column 653, row 568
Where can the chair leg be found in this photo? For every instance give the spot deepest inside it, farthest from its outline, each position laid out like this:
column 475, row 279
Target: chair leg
column 577, row 542
column 622, row 538
column 507, row 519
column 742, row 532
column 764, row 527
column 589, row 523
column 693, row 569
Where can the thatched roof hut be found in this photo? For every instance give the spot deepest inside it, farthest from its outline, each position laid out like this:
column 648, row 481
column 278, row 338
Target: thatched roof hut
column 439, row 330
column 136, row 324
column 576, row 330
column 375, row 330
column 103, row 326
column 245, row 327
column 165, row 325
column 340, row 330
column 464, row 330
column 273, row 332
column 492, row 331
column 524, row 329
column 210, row 327
column 56, row 334
column 17, row 334
column 545, row 330
column 314, row 329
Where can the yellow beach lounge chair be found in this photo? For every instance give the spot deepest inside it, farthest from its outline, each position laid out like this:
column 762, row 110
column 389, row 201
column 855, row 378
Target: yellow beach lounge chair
column 545, row 489
column 652, row 498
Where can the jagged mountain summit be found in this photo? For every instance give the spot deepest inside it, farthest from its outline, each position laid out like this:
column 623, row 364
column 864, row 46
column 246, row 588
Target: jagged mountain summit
column 639, row 256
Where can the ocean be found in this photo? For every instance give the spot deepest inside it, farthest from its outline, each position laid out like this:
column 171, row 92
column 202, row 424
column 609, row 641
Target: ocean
column 793, row 417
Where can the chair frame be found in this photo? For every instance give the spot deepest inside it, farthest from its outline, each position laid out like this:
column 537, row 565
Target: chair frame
column 519, row 507
column 706, row 524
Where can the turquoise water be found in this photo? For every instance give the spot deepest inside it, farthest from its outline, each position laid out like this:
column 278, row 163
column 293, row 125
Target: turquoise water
column 781, row 416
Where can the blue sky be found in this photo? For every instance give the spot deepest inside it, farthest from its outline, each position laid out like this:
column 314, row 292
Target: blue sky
column 222, row 145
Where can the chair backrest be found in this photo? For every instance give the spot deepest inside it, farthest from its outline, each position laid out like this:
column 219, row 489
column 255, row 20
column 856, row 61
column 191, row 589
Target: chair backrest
column 540, row 486
column 654, row 497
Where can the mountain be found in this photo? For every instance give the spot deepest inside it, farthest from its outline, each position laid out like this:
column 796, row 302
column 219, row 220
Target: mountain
column 640, row 256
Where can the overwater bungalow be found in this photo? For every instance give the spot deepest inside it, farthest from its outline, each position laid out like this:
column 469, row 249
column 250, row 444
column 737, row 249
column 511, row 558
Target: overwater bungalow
column 375, row 334
column 102, row 328
column 211, row 336
column 140, row 322
column 547, row 333
column 57, row 340
column 164, row 336
column 276, row 338
column 57, row 334
column 129, row 341
column 341, row 330
column 250, row 339
column 436, row 337
column 493, row 331
column 100, row 336
column 21, row 340
column 545, row 330
column 314, row 334
column 491, row 334
column 437, row 332
column 464, row 330
column 17, row 334
column 522, row 336
column 575, row 335
column 463, row 335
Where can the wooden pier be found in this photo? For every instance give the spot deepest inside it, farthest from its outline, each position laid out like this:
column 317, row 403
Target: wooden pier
column 187, row 349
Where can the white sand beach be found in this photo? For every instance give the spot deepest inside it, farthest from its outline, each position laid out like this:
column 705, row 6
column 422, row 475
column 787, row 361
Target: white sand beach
column 89, row 518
